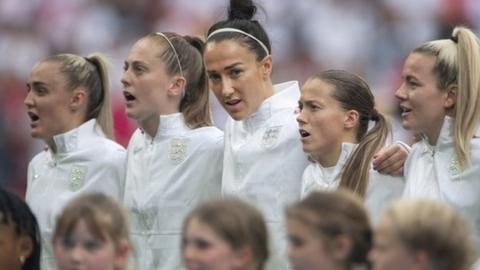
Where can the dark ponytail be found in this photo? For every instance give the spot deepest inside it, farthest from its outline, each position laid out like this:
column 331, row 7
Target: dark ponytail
column 241, row 10
column 353, row 93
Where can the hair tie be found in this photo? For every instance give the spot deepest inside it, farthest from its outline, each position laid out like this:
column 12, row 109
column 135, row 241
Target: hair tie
column 374, row 116
column 235, row 30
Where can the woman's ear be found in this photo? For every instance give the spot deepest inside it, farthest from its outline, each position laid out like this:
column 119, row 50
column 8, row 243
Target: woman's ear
column 78, row 100
column 450, row 97
column 351, row 119
column 177, row 86
column 266, row 67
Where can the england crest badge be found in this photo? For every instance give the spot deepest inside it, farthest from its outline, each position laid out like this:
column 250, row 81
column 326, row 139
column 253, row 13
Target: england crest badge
column 178, row 150
column 270, row 136
column 77, row 177
column 454, row 166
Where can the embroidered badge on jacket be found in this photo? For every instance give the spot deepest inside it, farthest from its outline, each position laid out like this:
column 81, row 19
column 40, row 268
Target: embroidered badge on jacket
column 77, row 177
column 270, row 136
column 178, row 150
column 454, row 166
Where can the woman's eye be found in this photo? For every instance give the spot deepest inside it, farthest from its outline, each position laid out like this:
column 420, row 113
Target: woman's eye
column 235, row 72
column 138, row 70
column 214, row 77
column 314, row 107
column 40, row 91
column 412, row 84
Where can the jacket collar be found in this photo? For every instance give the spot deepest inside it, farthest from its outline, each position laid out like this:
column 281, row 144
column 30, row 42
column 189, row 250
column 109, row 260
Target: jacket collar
column 445, row 138
column 286, row 95
column 347, row 149
column 77, row 138
column 170, row 125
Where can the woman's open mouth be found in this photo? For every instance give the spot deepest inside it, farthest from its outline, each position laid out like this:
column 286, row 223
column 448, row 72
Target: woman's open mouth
column 129, row 98
column 303, row 133
column 33, row 116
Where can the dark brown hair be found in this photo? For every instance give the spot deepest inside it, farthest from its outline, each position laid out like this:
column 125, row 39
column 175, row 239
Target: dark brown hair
column 236, row 222
column 353, row 93
column 336, row 213
column 240, row 14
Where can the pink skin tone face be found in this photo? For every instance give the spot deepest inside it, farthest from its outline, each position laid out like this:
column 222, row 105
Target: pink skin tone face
column 49, row 102
column 83, row 251
column 388, row 253
column 307, row 250
column 423, row 105
column 145, row 85
column 203, row 249
column 237, row 79
column 321, row 122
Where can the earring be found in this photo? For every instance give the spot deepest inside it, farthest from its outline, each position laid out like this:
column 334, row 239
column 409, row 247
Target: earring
column 22, row 259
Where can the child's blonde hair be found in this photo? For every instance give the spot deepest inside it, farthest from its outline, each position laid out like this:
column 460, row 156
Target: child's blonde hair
column 237, row 223
column 435, row 228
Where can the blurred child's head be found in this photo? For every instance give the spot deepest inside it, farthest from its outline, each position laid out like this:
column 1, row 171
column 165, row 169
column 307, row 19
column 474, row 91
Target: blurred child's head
column 92, row 232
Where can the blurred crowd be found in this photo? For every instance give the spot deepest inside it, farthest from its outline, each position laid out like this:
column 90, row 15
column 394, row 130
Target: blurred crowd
column 368, row 37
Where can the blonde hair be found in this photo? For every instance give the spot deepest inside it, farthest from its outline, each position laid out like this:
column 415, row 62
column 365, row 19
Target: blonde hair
column 353, row 93
column 237, row 223
column 458, row 63
column 104, row 217
column 90, row 72
column 332, row 214
column 435, row 228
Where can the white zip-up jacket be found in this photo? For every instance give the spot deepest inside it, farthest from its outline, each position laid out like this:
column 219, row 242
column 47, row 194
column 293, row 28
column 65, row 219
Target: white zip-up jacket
column 381, row 189
column 167, row 176
column 264, row 162
column 433, row 172
column 85, row 161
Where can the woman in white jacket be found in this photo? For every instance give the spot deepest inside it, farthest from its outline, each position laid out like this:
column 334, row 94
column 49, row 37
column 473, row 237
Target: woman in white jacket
column 69, row 106
column 336, row 108
column 263, row 160
column 175, row 157
column 440, row 100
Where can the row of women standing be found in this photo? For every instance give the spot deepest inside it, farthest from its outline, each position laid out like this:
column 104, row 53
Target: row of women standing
column 176, row 159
